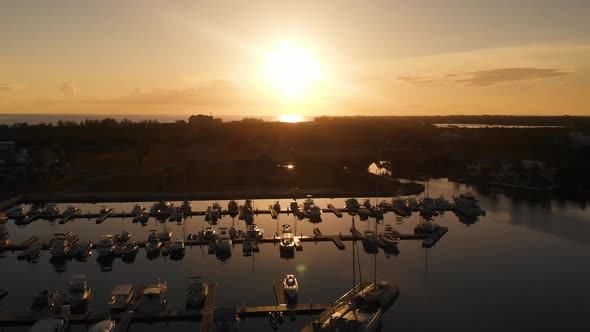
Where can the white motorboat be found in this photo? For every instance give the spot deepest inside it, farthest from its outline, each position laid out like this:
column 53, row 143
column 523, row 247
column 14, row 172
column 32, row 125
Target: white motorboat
column 196, row 291
column 121, row 297
column 223, row 243
column 290, row 286
column 286, row 228
column 153, row 298
column 79, row 292
column 209, row 233
column 287, row 244
column 104, row 210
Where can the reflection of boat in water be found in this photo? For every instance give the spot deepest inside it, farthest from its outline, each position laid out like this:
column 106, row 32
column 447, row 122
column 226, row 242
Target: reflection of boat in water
column 196, row 291
column 468, row 205
column 223, row 244
column 105, row 246
column 120, row 297
column 186, row 207
column 400, row 207
column 232, row 208
column 314, row 213
column 247, row 247
column 153, row 298
column 290, row 286
column 60, row 245
column 370, row 241
column 466, row 219
column 177, row 249
column 107, row 325
column 363, row 212
column 226, row 319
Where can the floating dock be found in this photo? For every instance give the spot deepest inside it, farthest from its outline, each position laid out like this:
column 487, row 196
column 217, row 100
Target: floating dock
column 334, row 210
column 272, row 211
column 207, row 312
column 104, row 216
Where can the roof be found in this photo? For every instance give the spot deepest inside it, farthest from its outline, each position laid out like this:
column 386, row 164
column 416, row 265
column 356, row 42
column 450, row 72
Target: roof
column 122, row 289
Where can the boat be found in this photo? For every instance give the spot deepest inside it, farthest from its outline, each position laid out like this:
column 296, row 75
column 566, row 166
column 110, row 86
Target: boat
column 293, row 206
column 209, row 233
column 247, row 247
column 385, row 205
column 232, row 208
column 121, row 297
column 380, row 295
column 122, row 237
column 352, row 317
column 370, row 241
column 140, row 215
column 104, row 210
column 377, row 213
column 352, row 205
column 129, row 250
column 233, row 232
column 35, row 209
column 153, row 246
column 82, row 250
column 388, row 240
column 273, row 320
column 363, row 212
column 153, row 298
column 177, row 249
column 196, row 291
column 54, row 324
column 44, row 299
column 214, row 216
column 165, row 236
column 427, row 207
column 277, row 207
column 286, row 228
column 308, row 203
column 79, row 292
column 467, row 204
column 106, row 246
column 223, row 243
column 314, row 213
column 107, row 325
column 71, row 211
column 253, row 232
column 60, row 245
column 367, row 204
column 400, row 207
column 177, row 215
column 50, row 209
column 186, row 207
column 412, row 204
column 17, row 212
column 161, row 207
column 425, row 227
column 442, row 204
column 217, row 207
column 137, row 209
column 31, row 253
column 290, row 286
column 287, row 244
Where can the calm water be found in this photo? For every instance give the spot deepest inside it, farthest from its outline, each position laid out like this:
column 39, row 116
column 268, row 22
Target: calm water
column 522, row 267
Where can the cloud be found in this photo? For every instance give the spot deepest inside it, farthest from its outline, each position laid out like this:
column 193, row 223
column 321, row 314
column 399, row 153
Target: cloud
column 415, row 79
column 502, row 75
column 69, row 90
column 7, row 87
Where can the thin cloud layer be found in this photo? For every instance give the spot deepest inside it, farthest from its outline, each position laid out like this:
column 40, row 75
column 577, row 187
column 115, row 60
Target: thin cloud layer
column 69, row 90
column 502, row 75
column 7, row 87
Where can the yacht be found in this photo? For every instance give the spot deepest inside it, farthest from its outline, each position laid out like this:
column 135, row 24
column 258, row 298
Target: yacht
column 177, row 215
column 286, row 228
column 315, row 213
column 121, row 297
column 209, row 233
column 153, row 298
column 137, row 209
column 55, row 324
column 351, row 317
column 82, row 250
column 107, row 325
column 363, row 212
column 232, row 207
column 165, row 236
column 129, row 250
column 177, row 249
column 79, row 292
column 293, row 206
column 60, row 245
column 352, row 205
column 427, row 207
column 106, row 246
column 104, row 210
column 385, row 205
column 217, row 207
column 253, row 232
column 388, row 240
column 72, row 211
column 196, row 291
column 153, row 246
column 287, row 244
column 367, row 204
column 161, row 207
column 214, row 216
column 186, row 207
column 277, row 207
column 223, row 243
column 467, row 204
column 50, row 209
column 16, row 212
column 400, row 207
column 122, row 237
column 412, row 204
column 290, row 286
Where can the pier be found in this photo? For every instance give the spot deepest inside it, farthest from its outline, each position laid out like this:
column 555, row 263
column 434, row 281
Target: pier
column 334, row 210
column 104, row 216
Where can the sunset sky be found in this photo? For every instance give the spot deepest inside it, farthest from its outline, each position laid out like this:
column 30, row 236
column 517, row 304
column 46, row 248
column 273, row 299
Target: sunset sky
column 342, row 58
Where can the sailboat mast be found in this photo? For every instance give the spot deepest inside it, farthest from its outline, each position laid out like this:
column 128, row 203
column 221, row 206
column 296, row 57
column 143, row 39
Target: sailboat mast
column 353, row 253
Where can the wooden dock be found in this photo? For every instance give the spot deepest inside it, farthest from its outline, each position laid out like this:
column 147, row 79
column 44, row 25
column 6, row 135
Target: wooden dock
column 298, row 245
column 104, row 216
column 280, row 295
column 272, row 211
column 207, row 312
column 69, row 217
column 334, row 210
column 127, row 317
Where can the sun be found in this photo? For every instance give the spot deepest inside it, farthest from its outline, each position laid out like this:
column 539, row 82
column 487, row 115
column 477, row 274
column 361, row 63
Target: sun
column 291, row 118
column 292, row 70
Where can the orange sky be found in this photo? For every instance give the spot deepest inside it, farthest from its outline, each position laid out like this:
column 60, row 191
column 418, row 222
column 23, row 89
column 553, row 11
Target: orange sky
column 375, row 58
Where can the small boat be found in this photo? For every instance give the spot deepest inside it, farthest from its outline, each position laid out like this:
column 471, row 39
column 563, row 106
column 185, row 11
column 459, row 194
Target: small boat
column 315, row 213
column 31, row 253
column 293, row 206
column 71, row 211
column 105, row 247
column 161, row 207
column 153, row 298
column 273, row 320
column 50, row 209
column 233, row 232
column 177, row 249
column 141, row 214
column 214, row 216
column 209, row 233
column 290, row 286
column 123, row 237
column 121, row 297
column 287, row 244
column 223, row 243
column 153, row 246
column 388, row 240
column 165, row 236
column 44, row 299
column 385, row 205
column 177, row 215
column 286, row 228
column 104, row 210
column 137, row 209
column 377, row 213
column 186, row 207
column 277, row 207
column 196, row 291
column 308, row 203
column 129, row 250
column 107, row 325
column 352, row 205
column 232, row 208
column 400, row 207
column 370, row 241
column 367, row 204
column 60, row 245
column 247, row 247
column 79, row 292
column 412, row 204
column 363, row 212
column 54, row 324
column 442, row 204
column 253, row 232
column 425, row 227
column 468, row 205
